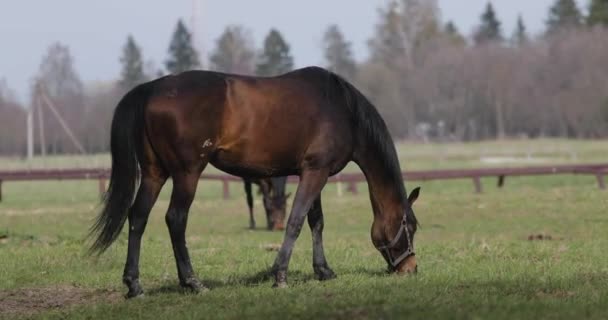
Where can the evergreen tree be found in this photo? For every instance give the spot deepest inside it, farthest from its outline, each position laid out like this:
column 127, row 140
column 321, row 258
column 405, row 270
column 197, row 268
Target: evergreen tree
column 490, row 28
column 234, row 52
column 598, row 13
column 563, row 14
column 182, row 54
column 520, row 36
column 453, row 34
column 275, row 58
column 132, row 65
column 338, row 53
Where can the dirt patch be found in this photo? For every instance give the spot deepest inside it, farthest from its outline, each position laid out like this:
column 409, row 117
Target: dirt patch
column 540, row 237
column 26, row 301
column 272, row 247
column 3, row 237
column 556, row 294
column 41, row 211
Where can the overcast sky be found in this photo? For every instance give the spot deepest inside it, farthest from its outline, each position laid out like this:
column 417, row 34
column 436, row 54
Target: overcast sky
column 95, row 31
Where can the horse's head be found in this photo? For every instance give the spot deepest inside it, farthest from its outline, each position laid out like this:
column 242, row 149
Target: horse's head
column 394, row 238
column 275, row 211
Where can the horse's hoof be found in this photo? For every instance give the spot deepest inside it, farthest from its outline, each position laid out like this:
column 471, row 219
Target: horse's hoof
column 139, row 293
column 280, row 278
column 194, row 285
column 135, row 289
column 324, row 273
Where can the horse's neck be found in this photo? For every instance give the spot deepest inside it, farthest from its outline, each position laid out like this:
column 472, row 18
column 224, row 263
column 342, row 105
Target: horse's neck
column 384, row 190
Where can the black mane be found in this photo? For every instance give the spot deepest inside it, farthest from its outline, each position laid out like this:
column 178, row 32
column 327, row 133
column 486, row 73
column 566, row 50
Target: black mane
column 370, row 123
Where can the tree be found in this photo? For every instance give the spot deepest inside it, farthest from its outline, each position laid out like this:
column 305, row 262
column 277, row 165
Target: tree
column 182, row 54
column 453, row 34
column 275, row 58
column 564, row 14
column 12, row 122
column 58, row 73
column 407, row 32
column 59, row 80
column 338, row 53
column 132, row 65
column 234, row 51
column 520, row 36
column 598, row 13
column 489, row 29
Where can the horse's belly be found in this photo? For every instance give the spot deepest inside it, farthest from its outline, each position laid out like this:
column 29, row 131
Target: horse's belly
column 254, row 163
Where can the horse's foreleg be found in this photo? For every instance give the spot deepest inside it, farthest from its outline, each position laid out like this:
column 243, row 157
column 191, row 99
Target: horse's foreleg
column 138, row 218
column 309, row 188
column 315, row 222
column 184, row 189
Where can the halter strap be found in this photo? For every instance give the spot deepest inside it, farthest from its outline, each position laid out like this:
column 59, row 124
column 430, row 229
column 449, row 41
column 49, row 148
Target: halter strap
column 394, row 262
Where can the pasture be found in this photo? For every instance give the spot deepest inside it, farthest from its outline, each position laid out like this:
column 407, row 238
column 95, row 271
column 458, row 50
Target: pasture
column 534, row 249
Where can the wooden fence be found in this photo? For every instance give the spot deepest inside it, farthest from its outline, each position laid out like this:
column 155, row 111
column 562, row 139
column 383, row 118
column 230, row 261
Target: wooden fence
column 351, row 180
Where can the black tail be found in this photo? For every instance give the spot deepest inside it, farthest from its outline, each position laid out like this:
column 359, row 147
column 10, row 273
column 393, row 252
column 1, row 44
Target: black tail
column 126, row 147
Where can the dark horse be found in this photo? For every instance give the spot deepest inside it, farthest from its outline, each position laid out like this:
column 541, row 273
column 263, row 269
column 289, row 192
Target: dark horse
column 274, row 200
column 309, row 122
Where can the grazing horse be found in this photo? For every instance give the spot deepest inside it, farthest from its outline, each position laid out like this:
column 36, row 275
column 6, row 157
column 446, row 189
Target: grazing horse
column 309, row 122
column 274, row 199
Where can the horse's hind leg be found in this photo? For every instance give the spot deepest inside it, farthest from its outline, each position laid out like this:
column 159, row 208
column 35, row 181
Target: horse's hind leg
column 266, row 189
column 184, row 189
column 319, row 263
column 250, row 204
column 151, row 184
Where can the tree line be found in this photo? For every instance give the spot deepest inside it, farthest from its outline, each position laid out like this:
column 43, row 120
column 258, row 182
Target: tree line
column 428, row 80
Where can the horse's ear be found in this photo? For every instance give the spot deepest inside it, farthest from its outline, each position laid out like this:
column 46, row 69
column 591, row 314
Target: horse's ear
column 413, row 196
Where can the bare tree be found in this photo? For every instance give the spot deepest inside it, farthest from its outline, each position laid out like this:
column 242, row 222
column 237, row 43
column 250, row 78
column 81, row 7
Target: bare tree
column 58, row 77
column 12, row 122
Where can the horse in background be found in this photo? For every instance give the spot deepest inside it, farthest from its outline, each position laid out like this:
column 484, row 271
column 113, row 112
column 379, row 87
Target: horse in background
column 273, row 198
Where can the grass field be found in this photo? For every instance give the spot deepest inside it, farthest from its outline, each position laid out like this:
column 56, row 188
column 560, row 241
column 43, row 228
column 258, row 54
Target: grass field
column 476, row 258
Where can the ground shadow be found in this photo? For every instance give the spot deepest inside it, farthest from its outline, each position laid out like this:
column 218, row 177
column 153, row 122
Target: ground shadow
column 260, row 229
column 262, row 277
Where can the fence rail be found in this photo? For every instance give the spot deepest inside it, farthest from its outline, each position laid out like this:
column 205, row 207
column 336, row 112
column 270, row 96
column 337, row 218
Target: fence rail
column 350, row 179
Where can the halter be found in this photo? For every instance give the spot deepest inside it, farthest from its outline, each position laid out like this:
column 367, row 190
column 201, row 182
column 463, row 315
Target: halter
column 394, row 262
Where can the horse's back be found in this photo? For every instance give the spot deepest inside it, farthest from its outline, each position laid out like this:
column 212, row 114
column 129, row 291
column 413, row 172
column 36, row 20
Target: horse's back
column 252, row 126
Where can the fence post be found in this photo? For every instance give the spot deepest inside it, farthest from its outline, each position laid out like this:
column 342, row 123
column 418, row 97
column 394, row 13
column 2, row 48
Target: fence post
column 0, row 190
column 226, row 187
column 599, row 176
column 477, row 183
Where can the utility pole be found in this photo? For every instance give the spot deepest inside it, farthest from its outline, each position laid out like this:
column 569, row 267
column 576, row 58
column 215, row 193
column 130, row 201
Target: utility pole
column 195, row 29
column 38, row 107
column 30, row 133
column 62, row 122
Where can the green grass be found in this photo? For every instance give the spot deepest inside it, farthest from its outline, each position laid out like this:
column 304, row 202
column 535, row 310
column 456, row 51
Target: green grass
column 412, row 155
column 475, row 259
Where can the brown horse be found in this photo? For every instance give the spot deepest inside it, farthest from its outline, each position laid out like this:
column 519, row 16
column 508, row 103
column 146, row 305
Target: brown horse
column 274, row 199
column 309, row 122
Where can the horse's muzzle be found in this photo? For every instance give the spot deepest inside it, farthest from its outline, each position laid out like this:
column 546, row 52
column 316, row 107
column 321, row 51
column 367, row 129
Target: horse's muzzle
column 407, row 266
